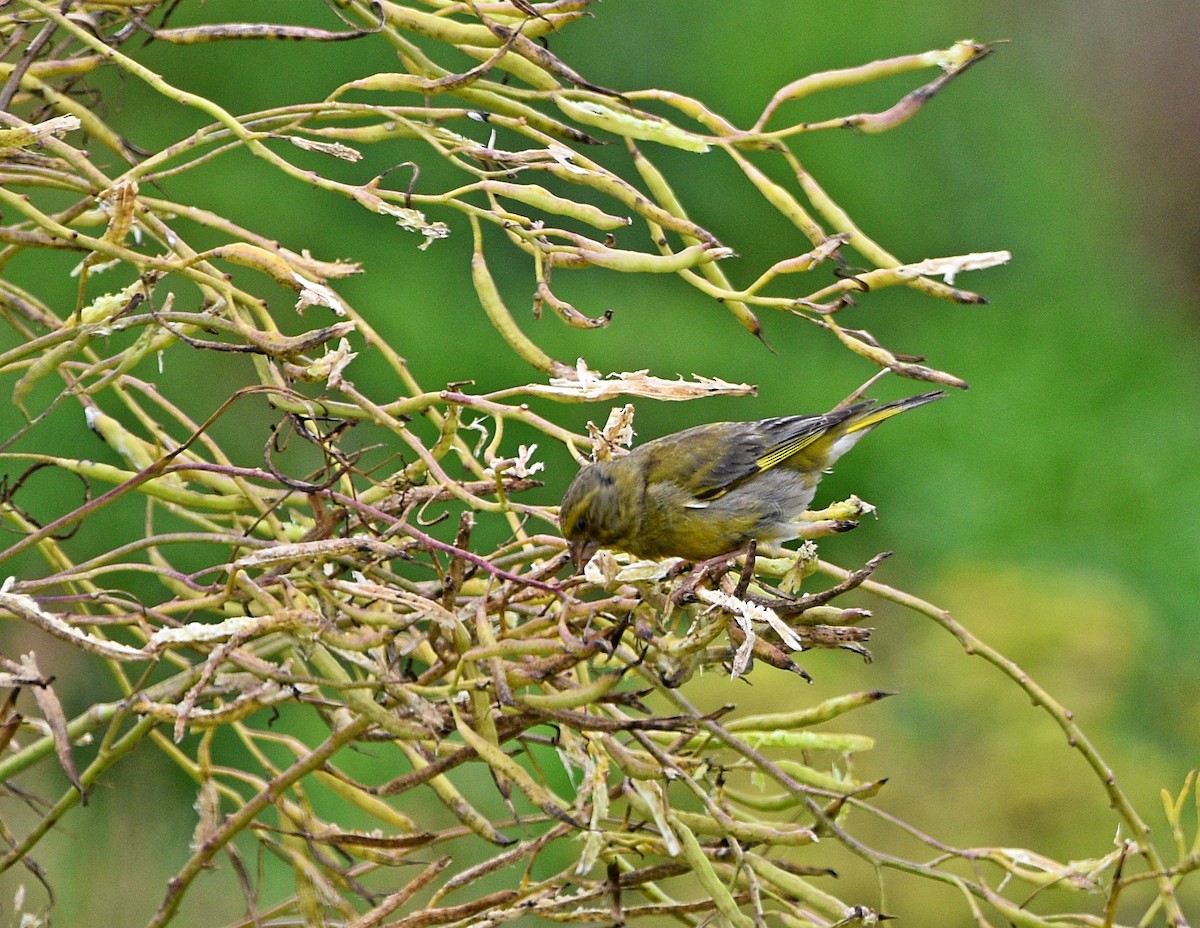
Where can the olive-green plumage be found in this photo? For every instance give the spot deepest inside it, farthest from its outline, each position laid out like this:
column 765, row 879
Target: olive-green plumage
column 710, row 490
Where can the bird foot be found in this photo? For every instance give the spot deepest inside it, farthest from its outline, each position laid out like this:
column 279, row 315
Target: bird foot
column 716, row 566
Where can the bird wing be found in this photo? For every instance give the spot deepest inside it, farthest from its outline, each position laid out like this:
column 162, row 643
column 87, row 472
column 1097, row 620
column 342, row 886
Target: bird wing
column 711, row 460
column 790, row 435
column 787, row 436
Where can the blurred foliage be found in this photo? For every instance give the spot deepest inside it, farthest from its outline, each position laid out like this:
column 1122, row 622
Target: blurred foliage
column 316, row 583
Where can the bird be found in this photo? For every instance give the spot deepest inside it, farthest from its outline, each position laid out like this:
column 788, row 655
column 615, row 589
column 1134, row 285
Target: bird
column 710, row 490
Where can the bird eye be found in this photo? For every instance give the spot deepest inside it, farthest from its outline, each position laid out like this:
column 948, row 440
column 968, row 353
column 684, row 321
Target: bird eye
column 581, row 525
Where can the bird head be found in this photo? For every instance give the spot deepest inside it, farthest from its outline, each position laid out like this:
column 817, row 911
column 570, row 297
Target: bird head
column 598, row 510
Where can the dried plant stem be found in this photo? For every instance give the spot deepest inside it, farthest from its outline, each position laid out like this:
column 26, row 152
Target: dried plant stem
column 1062, row 716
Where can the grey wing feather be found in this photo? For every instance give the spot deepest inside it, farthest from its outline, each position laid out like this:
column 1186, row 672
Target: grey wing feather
column 744, row 457
column 746, row 449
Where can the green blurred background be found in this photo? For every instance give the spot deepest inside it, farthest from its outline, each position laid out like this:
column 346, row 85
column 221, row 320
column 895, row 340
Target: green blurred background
column 1054, row 508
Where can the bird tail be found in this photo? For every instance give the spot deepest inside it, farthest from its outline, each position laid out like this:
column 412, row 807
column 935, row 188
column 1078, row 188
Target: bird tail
column 873, row 416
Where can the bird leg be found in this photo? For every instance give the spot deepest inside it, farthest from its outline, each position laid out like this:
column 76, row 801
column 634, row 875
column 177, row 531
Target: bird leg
column 715, row 566
column 747, row 570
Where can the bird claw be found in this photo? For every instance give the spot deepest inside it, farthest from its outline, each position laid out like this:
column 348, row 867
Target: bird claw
column 716, row 566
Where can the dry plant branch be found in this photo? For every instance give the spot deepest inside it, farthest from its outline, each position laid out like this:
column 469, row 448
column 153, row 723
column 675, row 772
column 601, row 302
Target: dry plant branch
column 401, row 594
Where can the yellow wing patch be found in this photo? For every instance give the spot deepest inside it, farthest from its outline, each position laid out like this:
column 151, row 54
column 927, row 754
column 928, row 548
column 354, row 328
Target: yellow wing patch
column 782, row 452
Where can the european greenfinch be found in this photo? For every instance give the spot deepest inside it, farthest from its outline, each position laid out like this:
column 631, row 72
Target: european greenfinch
column 712, row 489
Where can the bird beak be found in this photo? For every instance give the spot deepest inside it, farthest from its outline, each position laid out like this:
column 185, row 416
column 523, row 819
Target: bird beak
column 582, row 551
